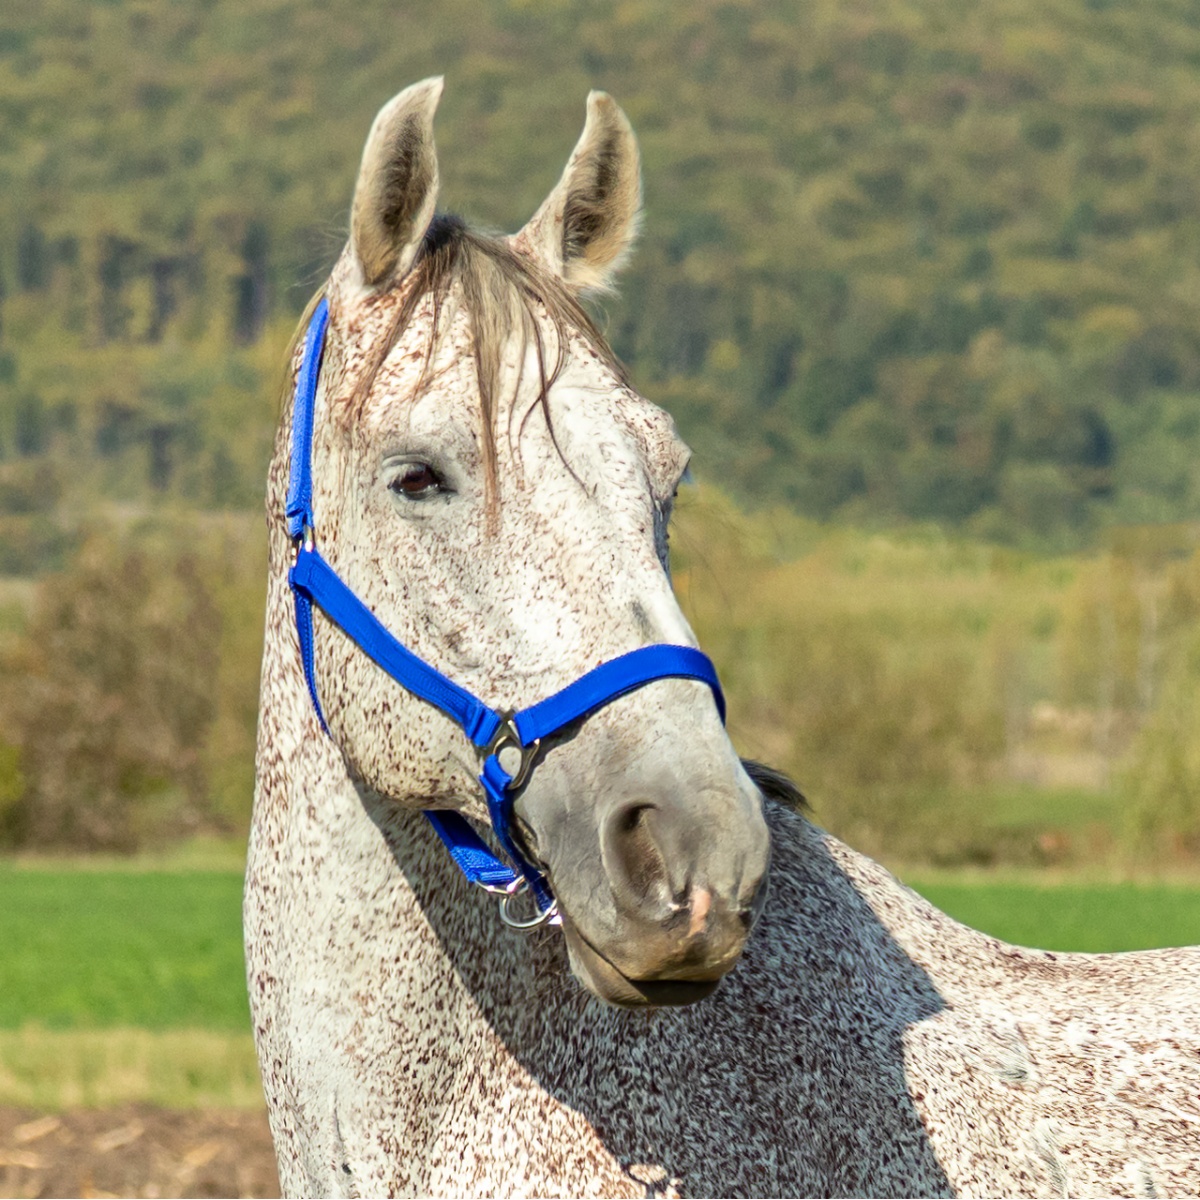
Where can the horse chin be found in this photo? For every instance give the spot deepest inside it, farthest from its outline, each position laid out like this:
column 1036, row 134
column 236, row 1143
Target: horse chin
column 608, row 984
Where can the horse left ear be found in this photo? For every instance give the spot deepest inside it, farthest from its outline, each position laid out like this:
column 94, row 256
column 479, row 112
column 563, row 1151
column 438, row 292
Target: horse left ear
column 584, row 230
column 397, row 185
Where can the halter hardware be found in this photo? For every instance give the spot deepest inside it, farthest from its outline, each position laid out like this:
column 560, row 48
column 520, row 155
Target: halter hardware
column 314, row 582
column 508, row 737
column 306, row 539
column 543, row 916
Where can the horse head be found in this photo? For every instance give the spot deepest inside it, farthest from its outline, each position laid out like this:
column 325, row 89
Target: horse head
column 488, row 483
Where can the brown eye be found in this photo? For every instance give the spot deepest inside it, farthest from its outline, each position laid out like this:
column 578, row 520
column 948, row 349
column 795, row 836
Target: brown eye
column 417, row 481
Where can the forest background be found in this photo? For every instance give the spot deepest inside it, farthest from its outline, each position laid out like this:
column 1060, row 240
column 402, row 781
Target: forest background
column 920, row 282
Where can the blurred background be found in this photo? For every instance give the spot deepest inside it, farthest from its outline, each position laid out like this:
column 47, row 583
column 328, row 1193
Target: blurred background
column 920, row 282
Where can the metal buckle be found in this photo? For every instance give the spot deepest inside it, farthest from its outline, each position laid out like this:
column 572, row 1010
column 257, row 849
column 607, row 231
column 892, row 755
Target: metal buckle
column 546, row 916
column 307, row 537
column 506, row 736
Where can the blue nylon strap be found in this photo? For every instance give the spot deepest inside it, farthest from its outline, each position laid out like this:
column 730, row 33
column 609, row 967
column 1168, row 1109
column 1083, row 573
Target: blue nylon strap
column 313, row 578
column 304, row 631
column 612, row 679
column 314, row 581
column 495, row 780
column 469, row 851
column 299, row 499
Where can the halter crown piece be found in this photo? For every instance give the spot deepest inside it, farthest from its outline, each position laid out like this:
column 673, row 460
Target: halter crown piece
column 491, row 731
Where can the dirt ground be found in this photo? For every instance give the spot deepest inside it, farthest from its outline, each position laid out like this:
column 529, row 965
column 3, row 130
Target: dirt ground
column 136, row 1150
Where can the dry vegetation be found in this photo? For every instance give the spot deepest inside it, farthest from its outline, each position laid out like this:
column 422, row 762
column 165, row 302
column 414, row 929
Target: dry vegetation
column 944, row 701
column 941, row 700
column 99, row 1068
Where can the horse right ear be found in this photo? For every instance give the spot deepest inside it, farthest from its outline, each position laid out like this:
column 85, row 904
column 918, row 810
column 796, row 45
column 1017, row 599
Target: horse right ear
column 397, row 185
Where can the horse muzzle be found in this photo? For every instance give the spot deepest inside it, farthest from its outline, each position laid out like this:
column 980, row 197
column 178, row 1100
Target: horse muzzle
column 678, row 908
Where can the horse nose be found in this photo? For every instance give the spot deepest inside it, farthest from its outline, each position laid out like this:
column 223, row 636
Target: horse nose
column 695, row 889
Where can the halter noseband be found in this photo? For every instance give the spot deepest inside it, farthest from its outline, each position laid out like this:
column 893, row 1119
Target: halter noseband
column 491, row 731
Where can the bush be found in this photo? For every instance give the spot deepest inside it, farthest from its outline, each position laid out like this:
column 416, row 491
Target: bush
column 109, row 698
column 862, row 667
column 1162, row 772
column 32, row 543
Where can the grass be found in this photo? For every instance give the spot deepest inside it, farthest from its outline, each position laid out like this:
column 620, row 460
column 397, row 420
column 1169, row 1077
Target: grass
column 162, row 950
column 1097, row 918
column 125, row 983
column 101, row 948
column 176, row 1068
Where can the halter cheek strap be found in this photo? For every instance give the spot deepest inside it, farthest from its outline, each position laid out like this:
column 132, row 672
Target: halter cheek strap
column 314, row 582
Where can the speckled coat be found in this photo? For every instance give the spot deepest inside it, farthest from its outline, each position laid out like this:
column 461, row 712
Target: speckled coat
column 865, row 1045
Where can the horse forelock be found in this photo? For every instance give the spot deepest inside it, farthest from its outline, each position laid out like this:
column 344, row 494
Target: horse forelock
column 503, row 293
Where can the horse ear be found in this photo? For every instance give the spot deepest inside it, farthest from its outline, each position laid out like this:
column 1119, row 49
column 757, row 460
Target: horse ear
column 586, row 227
column 397, row 184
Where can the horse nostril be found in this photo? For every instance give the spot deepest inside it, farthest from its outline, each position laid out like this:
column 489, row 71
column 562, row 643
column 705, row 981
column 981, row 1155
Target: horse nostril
column 633, row 856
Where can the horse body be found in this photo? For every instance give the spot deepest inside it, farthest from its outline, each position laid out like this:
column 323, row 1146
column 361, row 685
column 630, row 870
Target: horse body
column 865, row 1044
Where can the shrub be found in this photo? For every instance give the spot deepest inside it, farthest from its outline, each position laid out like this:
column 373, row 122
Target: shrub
column 109, row 697
column 1162, row 775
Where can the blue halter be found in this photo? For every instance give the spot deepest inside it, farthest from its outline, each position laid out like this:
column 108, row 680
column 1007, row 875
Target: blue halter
column 491, row 731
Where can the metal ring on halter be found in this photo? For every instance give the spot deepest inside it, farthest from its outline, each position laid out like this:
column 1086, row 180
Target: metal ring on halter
column 507, row 736
column 307, row 537
column 546, row 915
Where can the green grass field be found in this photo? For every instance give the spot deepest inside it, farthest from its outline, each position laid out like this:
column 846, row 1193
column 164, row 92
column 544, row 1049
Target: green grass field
column 124, row 982
column 1097, row 918
column 95, row 949
column 157, row 950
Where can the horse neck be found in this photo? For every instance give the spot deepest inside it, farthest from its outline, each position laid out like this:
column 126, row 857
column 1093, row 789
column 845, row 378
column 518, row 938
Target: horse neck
column 362, row 872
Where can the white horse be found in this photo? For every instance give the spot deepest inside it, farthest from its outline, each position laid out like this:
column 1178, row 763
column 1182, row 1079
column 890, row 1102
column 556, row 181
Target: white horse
column 489, row 485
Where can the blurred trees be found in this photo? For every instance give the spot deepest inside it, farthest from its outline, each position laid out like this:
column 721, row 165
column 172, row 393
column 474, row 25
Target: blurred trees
column 864, row 666
column 943, row 700
column 939, row 699
column 896, row 267
column 1161, row 678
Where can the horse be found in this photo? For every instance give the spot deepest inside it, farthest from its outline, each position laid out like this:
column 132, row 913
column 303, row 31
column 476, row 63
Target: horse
column 715, row 998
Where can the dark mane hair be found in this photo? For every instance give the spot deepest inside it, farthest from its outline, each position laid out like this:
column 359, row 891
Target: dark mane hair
column 775, row 785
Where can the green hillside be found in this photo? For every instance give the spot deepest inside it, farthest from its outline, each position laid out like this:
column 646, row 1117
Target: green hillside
column 903, row 259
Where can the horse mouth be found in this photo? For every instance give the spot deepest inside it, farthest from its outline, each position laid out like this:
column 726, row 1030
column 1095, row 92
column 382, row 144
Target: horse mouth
column 611, row 985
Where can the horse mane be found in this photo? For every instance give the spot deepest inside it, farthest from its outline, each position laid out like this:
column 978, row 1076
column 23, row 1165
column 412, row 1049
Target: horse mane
column 775, row 785
column 502, row 292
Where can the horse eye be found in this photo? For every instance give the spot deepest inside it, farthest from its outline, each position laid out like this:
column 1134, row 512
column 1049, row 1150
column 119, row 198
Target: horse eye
column 417, row 481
